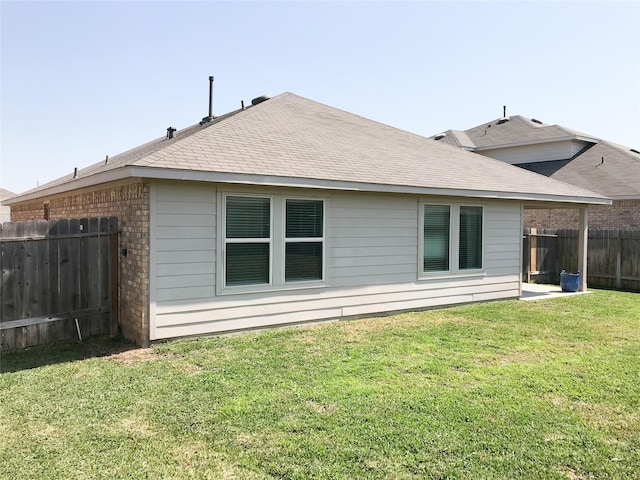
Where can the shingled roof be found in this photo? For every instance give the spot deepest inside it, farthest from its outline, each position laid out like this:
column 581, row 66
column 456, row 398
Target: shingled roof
column 289, row 140
column 601, row 166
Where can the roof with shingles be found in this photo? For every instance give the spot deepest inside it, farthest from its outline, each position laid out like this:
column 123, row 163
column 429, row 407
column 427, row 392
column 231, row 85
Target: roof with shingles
column 289, row 136
column 618, row 176
column 605, row 168
column 516, row 130
column 5, row 195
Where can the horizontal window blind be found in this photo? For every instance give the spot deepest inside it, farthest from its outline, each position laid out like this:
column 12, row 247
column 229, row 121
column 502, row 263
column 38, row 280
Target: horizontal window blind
column 304, row 218
column 248, row 217
column 247, row 264
column 470, row 254
column 436, row 237
column 303, row 261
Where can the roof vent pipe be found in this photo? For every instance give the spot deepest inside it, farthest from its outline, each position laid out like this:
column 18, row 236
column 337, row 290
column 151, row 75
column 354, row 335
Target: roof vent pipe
column 504, row 111
column 75, row 172
column 211, row 97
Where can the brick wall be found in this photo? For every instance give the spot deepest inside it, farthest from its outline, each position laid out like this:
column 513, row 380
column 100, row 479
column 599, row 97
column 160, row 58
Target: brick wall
column 130, row 203
column 622, row 215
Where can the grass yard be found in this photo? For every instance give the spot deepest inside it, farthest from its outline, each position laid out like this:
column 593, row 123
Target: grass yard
column 509, row 390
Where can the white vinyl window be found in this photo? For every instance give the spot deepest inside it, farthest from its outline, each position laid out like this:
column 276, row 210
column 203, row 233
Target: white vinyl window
column 304, row 240
column 452, row 239
column 270, row 242
column 247, row 240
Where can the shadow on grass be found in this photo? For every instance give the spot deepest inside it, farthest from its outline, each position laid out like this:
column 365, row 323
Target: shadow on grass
column 62, row 352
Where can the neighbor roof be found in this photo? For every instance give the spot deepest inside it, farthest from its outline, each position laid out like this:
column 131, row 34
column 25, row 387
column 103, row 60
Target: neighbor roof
column 5, row 194
column 606, row 168
column 601, row 166
column 510, row 131
column 293, row 141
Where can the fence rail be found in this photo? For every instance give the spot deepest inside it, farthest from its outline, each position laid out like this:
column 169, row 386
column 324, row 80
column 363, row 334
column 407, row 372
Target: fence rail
column 58, row 280
column 613, row 257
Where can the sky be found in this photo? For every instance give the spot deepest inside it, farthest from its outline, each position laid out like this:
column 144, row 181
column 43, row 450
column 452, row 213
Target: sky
column 82, row 80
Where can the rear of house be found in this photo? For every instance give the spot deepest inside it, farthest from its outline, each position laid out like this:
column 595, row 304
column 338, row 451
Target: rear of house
column 291, row 211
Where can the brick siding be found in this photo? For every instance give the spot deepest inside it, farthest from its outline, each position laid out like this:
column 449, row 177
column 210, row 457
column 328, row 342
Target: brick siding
column 130, row 203
column 621, row 215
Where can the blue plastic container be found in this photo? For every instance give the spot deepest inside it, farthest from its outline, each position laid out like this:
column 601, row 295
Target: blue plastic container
column 570, row 282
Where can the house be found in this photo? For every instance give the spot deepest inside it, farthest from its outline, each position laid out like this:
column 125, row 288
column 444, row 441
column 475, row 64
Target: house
column 5, row 210
column 566, row 155
column 292, row 211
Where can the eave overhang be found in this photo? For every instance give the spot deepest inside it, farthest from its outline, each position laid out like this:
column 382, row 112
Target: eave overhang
column 152, row 173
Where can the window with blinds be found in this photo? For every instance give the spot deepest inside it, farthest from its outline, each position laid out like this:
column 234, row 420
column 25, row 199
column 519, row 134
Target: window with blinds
column 304, row 240
column 247, row 240
column 437, row 227
column 470, row 246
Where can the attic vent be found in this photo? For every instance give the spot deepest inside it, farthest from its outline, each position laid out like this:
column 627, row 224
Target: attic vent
column 502, row 120
column 260, row 99
column 440, row 136
column 634, row 150
column 170, row 132
column 535, row 120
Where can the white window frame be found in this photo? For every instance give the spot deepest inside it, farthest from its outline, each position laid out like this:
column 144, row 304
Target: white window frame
column 454, row 242
column 304, row 240
column 226, row 241
column 277, row 245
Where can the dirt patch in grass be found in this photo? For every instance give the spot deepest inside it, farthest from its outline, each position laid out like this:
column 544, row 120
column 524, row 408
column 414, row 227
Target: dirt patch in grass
column 570, row 473
column 321, row 408
column 134, row 356
column 134, row 426
column 626, row 425
column 501, row 360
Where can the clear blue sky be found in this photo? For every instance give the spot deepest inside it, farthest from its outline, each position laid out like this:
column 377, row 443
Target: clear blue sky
column 81, row 80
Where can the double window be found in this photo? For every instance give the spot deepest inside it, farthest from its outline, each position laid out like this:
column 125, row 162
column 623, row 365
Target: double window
column 272, row 240
column 452, row 238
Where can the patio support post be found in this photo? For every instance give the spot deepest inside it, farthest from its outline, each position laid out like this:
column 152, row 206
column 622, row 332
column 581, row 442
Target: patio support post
column 583, row 238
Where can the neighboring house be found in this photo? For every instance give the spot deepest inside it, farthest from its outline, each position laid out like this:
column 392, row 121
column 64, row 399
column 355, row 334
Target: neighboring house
column 292, row 211
column 5, row 210
column 565, row 155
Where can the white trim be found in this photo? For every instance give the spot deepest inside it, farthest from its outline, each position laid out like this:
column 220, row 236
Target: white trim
column 153, row 221
column 578, row 138
column 521, row 249
column 269, row 180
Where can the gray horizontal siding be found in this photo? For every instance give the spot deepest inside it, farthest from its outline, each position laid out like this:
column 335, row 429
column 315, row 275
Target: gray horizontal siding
column 371, row 253
column 183, row 242
column 372, row 240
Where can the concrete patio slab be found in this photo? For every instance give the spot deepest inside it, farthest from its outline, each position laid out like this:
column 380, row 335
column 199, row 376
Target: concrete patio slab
column 535, row 291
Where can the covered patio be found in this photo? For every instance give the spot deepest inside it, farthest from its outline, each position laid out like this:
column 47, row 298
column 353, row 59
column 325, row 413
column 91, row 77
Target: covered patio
column 530, row 268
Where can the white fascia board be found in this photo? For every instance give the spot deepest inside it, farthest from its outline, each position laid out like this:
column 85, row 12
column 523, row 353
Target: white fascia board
column 535, row 142
column 275, row 181
column 625, row 197
column 294, row 182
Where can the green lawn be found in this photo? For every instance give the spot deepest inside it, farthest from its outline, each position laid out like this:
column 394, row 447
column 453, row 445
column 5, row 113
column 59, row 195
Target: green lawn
column 547, row 389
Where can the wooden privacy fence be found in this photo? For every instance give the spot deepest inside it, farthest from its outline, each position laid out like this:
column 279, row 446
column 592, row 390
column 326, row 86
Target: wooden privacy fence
column 59, row 280
column 613, row 257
